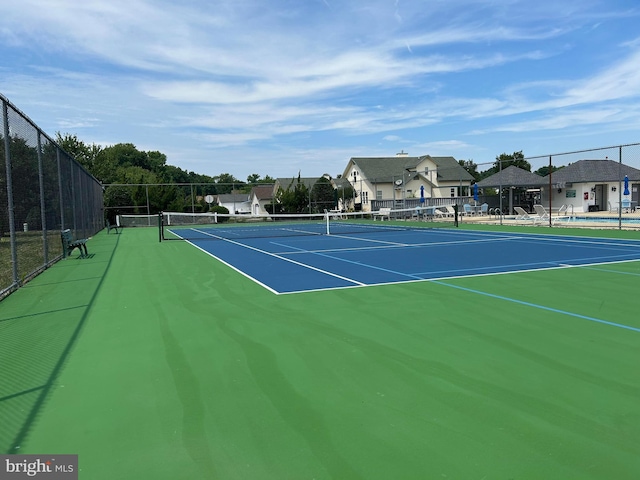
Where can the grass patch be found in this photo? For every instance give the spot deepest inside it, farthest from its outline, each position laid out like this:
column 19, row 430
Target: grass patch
column 30, row 255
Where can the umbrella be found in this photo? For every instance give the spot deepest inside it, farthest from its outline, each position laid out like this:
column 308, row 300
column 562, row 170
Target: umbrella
column 626, row 185
column 421, row 193
column 475, row 192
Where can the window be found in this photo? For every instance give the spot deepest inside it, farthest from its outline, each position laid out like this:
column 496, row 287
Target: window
column 378, row 194
column 453, row 192
column 365, row 197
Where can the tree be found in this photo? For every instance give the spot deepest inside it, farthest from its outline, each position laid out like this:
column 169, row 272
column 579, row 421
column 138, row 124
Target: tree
column 255, row 178
column 226, row 183
column 295, row 199
column 267, row 179
column 471, row 167
column 106, row 166
column 323, row 195
column 171, row 174
column 516, row 158
column 83, row 153
column 544, row 171
column 156, row 161
column 143, row 188
column 115, row 198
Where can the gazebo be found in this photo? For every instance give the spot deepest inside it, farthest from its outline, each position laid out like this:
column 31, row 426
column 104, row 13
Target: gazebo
column 512, row 177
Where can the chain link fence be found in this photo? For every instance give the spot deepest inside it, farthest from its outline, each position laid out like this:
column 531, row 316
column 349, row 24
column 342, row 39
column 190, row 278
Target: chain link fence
column 43, row 190
column 593, row 180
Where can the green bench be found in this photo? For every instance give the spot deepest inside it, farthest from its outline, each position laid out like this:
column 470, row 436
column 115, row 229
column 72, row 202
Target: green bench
column 110, row 227
column 69, row 244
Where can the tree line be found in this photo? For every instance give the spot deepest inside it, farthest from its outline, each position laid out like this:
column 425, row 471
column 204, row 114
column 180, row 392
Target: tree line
column 503, row 161
column 140, row 181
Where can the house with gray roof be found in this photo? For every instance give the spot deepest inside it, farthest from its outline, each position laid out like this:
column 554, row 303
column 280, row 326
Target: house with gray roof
column 342, row 187
column 402, row 177
column 589, row 185
column 260, row 196
column 344, row 191
column 585, row 185
column 235, row 202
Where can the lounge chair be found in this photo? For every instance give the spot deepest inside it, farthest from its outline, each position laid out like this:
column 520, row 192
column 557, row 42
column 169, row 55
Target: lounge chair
column 451, row 212
column 541, row 212
column 561, row 216
column 484, row 209
column 522, row 215
column 382, row 213
column 467, row 209
column 420, row 213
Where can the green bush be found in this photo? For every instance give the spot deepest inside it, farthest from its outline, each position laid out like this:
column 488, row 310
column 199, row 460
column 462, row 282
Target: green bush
column 220, row 209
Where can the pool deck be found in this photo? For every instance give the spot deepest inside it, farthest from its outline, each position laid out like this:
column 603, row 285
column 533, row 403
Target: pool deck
column 603, row 219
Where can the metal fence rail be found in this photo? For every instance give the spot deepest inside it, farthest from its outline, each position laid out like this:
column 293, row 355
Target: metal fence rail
column 43, row 190
column 598, row 184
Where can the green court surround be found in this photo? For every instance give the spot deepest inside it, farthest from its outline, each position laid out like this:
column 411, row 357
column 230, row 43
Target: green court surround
column 154, row 361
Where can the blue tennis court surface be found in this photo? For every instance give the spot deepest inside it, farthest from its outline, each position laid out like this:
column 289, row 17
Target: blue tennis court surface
column 293, row 264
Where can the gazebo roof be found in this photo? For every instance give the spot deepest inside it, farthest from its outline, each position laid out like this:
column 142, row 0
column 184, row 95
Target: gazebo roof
column 594, row 171
column 512, row 176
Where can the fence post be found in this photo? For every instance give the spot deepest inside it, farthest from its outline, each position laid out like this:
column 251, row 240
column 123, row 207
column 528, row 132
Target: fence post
column 60, row 194
column 74, row 199
column 43, row 210
column 10, row 206
column 620, row 188
column 550, row 189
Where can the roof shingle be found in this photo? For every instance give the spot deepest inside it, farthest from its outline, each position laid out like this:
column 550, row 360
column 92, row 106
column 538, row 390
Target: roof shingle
column 512, row 176
column 594, row 171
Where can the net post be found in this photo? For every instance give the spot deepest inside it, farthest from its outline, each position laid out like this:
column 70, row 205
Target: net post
column 326, row 216
column 160, row 232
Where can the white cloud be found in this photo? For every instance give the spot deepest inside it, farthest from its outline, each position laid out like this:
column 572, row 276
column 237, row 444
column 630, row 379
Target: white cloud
column 318, row 78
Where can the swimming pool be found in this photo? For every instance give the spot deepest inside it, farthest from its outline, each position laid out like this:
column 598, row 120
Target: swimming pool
column 610, row 220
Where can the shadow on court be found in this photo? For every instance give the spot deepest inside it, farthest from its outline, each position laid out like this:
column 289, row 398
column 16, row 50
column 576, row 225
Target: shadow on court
column 39, row 325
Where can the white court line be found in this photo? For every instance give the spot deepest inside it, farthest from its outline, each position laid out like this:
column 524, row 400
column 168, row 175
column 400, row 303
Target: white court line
column 391, row 245
column 244, row 274
column 543, row 307
column 388, row 245
column 616, row 272
column 577, row 240
column 279, row 257
column 458, row 277
column 532, row 266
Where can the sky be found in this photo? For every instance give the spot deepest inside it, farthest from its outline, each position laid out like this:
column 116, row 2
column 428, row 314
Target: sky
column 282, row 87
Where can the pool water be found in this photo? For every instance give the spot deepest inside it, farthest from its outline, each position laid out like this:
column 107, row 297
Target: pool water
column 603, row 220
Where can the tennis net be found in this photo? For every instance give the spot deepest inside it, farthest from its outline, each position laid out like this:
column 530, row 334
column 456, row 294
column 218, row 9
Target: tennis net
column 200, row 226
column 138, row 220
